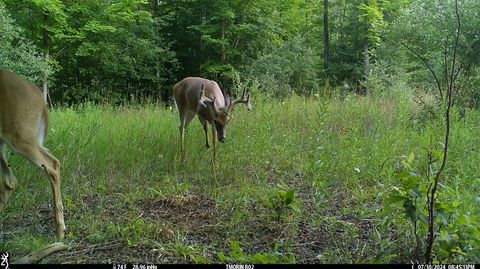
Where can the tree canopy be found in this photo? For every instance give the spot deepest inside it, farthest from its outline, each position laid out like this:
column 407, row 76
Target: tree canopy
column 103, row 50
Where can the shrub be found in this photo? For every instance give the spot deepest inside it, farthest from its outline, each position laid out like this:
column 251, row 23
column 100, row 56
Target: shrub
column 289, row 68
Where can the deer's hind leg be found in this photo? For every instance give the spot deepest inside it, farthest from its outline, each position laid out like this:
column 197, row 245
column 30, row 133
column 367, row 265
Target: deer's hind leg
column 185, row 119
column 8, row 182
column 41, row 158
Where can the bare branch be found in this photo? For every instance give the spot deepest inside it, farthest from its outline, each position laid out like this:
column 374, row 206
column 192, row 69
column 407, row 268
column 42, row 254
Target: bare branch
column 445, row 65
column 439, row 87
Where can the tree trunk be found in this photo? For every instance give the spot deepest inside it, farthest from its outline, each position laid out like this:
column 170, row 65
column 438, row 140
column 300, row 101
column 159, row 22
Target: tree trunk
column 366, row 55
column 431, row 195
column 46, row 55
column 366, row 64
column 202, row 45
column 224, row 52
column 326, row 36
column 156, row 15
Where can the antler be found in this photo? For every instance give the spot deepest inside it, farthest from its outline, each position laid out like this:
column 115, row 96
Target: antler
column 242, row 100
column 204, row 100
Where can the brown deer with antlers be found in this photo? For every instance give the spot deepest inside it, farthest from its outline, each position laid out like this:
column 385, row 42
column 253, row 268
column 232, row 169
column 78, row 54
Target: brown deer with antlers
column 23, row 127
column 203, row 97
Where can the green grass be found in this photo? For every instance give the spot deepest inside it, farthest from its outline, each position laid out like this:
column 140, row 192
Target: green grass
column 128, row 197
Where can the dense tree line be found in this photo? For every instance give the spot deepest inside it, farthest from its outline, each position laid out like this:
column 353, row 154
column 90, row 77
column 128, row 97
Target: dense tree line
column 103, row 50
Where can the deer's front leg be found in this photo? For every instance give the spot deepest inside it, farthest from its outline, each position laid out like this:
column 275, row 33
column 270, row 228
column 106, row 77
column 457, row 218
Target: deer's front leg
column 8, row 182
column 205, row 130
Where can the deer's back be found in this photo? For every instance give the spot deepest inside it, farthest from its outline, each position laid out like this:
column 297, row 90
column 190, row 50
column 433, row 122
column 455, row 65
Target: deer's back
column 22, row 108
column 187, row 92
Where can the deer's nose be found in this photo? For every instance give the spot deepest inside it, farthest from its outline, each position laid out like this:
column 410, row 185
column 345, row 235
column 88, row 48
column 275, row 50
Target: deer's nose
column 222, row 139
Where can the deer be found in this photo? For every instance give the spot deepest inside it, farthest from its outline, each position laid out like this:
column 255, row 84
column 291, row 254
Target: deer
column 198, row 96
column 23, row 127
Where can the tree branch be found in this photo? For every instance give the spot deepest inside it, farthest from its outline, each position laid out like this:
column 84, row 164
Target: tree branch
column 445, row 59
column 439, row 87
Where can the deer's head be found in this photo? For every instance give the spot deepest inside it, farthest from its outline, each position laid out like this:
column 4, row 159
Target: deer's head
column 222, row 115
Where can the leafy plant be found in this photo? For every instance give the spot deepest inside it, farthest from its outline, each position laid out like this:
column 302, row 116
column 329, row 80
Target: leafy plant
column 410, row 193
column 455, row 223
column 281, row 202
column 134, row 232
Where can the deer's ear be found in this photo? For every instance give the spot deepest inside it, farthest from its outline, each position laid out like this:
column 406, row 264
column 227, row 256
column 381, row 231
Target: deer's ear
column 210, row 103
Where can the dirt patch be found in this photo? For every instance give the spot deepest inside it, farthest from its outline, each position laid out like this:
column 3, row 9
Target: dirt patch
column 188, row 212
column 208, row 228
column 40, row 221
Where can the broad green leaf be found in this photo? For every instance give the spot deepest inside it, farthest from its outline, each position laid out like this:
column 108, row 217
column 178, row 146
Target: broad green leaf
column 411, row 157
column 289, row 196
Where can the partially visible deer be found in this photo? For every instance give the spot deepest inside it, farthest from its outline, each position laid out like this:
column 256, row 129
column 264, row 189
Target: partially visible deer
column 23, row 127
column 203, row 97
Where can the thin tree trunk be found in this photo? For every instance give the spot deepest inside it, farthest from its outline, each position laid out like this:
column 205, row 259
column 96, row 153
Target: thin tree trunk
column 432, row 192
column 224, row 53
column 156, row 14
column 366, row 54
column 46, row 55
column 326, row 36
column 366, row 64
column 202, row 45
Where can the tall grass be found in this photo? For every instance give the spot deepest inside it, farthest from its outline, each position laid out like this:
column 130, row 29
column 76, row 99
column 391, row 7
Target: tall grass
column 124, row 182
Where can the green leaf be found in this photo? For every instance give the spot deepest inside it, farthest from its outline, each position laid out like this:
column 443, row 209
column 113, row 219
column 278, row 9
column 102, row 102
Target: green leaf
column 423, row 217
column 222, row 257
column 237, row 252
column 395, row 199
column 458, row 250
column 417, row 193
column 437, row 153
column 462, row 220
column 442, row 215
column 411, row 157
column 445, row 236
column 267, row 203
column 405, row 172
column 411, row 211
column 260, row 258
column 289, row 196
